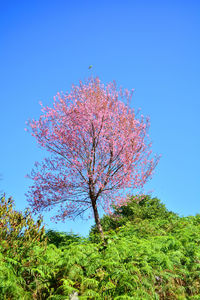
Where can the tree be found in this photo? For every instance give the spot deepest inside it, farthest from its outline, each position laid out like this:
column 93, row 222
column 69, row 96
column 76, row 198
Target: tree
column 18, row 231
column 98, row 147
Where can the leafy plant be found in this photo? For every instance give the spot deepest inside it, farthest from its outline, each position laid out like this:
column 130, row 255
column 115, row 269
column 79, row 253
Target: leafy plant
column 150, row 253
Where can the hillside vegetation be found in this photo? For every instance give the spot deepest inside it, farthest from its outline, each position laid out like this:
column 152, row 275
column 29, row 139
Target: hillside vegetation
column 150, row 253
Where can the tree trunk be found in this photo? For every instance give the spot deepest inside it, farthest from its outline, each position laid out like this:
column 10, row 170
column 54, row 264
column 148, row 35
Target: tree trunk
column 97, row 219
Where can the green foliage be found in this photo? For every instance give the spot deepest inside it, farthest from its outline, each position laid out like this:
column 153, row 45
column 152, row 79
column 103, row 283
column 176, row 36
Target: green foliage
column 60, row 239
column 137, row 207
column 150, row 254
column 19, row 234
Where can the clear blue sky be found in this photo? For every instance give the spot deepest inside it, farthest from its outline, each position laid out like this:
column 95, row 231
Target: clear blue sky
column 152, row 46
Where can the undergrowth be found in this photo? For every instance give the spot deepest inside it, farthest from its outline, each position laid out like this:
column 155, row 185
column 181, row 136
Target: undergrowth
column 150, row 253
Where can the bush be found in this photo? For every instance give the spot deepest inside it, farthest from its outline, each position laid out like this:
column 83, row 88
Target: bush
column 150, row 254
column 137, row 207
column 19, row 235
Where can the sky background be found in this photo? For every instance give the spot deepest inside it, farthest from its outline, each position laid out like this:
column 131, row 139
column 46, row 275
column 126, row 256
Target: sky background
column 151, row 46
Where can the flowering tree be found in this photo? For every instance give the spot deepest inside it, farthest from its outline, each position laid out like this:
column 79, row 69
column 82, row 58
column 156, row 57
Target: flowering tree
column 98, row 147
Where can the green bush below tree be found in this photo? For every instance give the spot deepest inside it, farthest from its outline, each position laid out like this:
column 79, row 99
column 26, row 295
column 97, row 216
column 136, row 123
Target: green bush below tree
column 150, row 253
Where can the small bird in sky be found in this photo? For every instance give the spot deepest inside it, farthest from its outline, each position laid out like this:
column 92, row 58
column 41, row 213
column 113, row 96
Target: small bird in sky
column 90, row 67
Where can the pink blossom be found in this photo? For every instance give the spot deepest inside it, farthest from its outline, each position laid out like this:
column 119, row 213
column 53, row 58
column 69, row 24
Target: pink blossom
column 97, row 146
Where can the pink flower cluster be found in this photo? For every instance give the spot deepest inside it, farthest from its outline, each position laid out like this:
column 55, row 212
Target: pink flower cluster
column 98, row 148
